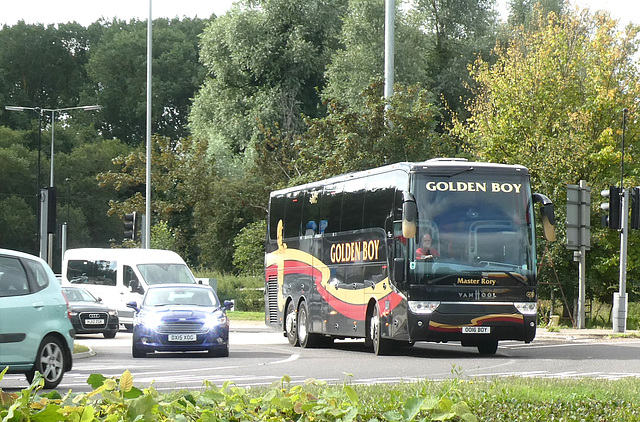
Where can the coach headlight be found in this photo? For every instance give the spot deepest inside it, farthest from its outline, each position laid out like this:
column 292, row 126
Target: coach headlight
column 423, row 307
column 527, row 308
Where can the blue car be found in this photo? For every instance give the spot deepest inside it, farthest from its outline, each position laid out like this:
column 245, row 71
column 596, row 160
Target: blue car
column 180, row 318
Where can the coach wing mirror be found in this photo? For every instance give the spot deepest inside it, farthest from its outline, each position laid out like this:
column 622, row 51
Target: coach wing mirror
column 409, row 215
column 398, row 270
column 547, row 216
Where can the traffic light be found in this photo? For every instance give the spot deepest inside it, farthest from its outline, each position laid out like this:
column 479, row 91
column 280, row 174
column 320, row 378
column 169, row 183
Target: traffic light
column 635, row 207
column 130, row 226
column 613, row 219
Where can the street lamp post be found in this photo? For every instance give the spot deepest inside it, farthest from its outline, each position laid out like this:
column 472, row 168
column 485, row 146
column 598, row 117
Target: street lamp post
column 43, row 243
column 39, row 239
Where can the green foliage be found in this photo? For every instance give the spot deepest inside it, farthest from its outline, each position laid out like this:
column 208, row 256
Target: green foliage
column 246, row 291
column 248, row 255
column 512, row 399
column 346, row 141
column 266, row 62
column 117, row 69
column 162, row 236
column 553, row 103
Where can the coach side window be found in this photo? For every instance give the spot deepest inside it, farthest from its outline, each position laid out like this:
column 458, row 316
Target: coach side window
column 293, row 215
column 330, row 208
column 352, row 205
column 276, row 213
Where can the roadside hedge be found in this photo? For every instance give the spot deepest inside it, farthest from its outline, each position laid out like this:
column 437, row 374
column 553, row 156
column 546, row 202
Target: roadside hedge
column 511, row 399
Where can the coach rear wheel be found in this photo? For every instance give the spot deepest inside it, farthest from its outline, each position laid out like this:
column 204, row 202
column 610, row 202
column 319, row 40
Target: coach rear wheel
column 305, row 337
column 290, row 324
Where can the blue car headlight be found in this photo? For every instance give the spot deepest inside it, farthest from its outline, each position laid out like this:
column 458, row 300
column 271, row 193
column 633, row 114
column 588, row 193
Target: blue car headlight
column 150, row 321
column 213, row 320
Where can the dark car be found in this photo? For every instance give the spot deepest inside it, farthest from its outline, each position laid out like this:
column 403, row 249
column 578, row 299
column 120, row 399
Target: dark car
column 180, row 318
column 89, row 315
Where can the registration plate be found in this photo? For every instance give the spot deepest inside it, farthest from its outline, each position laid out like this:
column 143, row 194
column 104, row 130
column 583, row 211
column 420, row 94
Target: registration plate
column 94, row 321
column 182, row 337
column 476, row 330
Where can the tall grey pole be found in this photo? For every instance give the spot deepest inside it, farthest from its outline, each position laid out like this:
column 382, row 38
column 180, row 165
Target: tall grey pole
column 389, row 35
column 145, row 241
column 619, row 312
column 585, row 201
column 53, row 125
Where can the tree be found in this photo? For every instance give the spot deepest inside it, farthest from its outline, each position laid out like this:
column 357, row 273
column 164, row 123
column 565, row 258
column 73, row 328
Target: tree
column 41, row 67
column 79, row 192
column 521, row 12
column 173, row 193
column 347, row 140
column 435, row 41
column 117, row 67
column 266, row 62
column 553, row 103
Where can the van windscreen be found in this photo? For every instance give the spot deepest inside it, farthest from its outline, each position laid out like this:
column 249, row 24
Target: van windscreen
column 165, row 273
column 99, row 272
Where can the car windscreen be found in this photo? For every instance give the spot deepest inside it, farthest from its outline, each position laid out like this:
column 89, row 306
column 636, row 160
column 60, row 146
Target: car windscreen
column 180, row 297
column 165, row 273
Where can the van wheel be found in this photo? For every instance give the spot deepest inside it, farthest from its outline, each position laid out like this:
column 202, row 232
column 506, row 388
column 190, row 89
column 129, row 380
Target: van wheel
column 50, row 362
column 128, row 327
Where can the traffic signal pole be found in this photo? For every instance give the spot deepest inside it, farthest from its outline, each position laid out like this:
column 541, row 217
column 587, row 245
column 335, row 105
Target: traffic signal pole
column 619, row 312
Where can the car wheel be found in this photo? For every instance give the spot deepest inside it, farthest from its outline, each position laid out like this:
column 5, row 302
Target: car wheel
column 51, row 361
column 109, row 334
column 291, row 325
column 137, row 352
column 220, row 352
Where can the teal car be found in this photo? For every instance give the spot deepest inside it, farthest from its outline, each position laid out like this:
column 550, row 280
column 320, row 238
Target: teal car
column 35, row 331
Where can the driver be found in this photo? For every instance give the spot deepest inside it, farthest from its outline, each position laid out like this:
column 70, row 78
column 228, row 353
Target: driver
column 426, row 250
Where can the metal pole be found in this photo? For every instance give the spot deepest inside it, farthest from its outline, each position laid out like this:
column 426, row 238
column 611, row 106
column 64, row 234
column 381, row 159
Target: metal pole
column 619, row 312
column 582, row 263
column 145, row 241
column 39, row 215
column 389, row 35
column 53, row 125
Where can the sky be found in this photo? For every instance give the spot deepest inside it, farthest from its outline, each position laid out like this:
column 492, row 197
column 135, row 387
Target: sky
column 86, row 12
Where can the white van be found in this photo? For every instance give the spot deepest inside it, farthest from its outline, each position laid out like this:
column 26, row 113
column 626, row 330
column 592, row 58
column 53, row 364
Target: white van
column 119, row 276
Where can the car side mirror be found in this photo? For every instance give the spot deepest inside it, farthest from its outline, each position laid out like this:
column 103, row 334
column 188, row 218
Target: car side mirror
column 228, row 305
column 133, row 305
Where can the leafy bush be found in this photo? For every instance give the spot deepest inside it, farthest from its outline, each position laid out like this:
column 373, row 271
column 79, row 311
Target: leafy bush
column 246, row 291
column 119, row 400
column 511, row 399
